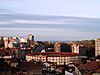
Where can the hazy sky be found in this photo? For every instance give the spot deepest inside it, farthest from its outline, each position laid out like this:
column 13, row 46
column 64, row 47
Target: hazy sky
column 51, row 19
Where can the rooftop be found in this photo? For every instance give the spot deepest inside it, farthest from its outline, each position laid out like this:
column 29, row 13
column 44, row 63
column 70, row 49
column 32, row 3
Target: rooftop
column 54, row 54
column 91, row 67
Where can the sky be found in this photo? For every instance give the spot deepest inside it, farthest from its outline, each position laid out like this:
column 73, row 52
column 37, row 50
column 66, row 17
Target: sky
column 51, row 20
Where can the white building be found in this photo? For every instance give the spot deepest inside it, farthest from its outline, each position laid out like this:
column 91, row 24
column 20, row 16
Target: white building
column 59, row 58
column 23, row 40
column 6, row 41
column 10, row 45
column 31, row 37
column 75, row 48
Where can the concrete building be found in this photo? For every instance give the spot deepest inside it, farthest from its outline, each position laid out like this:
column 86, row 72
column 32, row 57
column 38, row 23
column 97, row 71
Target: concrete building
column 59, row 58
column 97, row 47
column 24, row 43
column 39, row 47
column 10, row 45
column 6, row 41
column 23, row 40
column 13, row 42
column 57, row 47
column 22, row 52
column 31, row 38
column 79, row 49
column 75, row 48
column 1, row 42
column 61, row 47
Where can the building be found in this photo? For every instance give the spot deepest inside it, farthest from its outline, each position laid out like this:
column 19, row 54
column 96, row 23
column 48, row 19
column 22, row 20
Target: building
column 59, row 58
column 23, row 40
column 22, row 52
column 57, row 47
column 10, row 45
column 97, row 47
column 31, row 38
column 39, row 47
column 79, row 49
column 16, row 42
column 1, row 42
column 6, row 41
column 75, row 48
column 24, row 43
column 62, row 47
column 65, row 47
column 13, row 42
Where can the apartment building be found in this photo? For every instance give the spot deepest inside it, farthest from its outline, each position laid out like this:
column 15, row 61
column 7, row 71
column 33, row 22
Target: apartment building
column 97, row 47
column 60, row 58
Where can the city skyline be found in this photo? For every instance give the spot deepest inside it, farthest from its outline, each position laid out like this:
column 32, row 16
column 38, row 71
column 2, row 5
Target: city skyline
column 50, row 20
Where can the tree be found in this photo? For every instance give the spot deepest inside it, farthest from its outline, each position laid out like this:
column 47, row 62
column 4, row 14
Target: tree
column 49, row 44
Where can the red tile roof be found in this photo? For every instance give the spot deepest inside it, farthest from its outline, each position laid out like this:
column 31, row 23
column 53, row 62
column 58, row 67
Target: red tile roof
column 54, row 54
column 90, row 67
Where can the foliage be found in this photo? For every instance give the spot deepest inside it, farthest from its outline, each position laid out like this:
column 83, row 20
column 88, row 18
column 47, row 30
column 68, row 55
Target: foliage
column 49, row 44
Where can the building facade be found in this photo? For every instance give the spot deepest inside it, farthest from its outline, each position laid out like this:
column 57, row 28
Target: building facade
column 59, row 58
column 62, row 47
column 1, row 42
column 79, row 49
column 31, row 37
column 57, row 47
column 75, row 48
column 97, row 47
column 6, row 41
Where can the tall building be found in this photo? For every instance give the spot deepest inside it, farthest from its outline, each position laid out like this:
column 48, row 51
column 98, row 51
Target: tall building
column 62, row 47
column 39, row 47
column 1, row 42
column 24, row 40
column 75, row 48
column 57, row 47
column 10, row 45
column 79, row 49
column 24, row 43
column 65, row 47
column 31, row 37
column 6, row 41
column 97, row 47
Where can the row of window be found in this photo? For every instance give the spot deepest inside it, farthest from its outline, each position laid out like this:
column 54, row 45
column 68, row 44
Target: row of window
column 52, row 59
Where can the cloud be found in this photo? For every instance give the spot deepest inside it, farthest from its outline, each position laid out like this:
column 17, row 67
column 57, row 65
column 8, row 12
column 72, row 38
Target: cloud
column 50, row 33
column 53, row 21
column 45, row 20
column 5, row 22
column 35, row 29
column 38, row 22
column 57, row 28
column 31, row 22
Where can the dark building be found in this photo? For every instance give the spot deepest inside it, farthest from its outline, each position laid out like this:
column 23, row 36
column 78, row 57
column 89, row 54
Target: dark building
column 82, row 50
column 1, row 42
column 65, row 47
column 62, row 47
column 39, row 47
column 79, row 49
